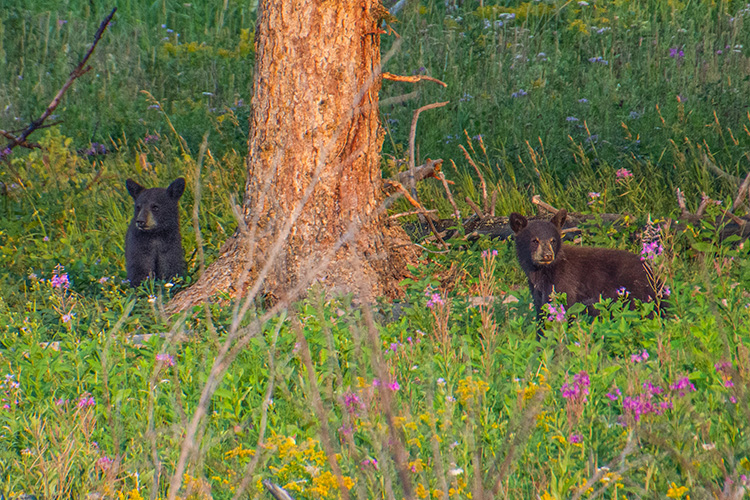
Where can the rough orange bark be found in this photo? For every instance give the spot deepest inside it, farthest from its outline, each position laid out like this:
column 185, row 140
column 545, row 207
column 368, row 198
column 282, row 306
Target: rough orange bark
column 314, row 154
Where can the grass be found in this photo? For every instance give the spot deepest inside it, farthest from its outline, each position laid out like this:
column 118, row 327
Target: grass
column 443, row 393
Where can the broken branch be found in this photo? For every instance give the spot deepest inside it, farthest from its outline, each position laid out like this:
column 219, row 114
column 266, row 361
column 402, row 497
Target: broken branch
column 78, row 71
column 412, row 79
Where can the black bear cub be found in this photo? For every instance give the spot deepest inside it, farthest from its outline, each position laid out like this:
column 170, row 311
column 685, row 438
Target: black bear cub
column 153, row 245
column 584, row 274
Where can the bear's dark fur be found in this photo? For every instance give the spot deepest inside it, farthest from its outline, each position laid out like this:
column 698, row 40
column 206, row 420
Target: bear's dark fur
column 584, row 274
column 153, row 245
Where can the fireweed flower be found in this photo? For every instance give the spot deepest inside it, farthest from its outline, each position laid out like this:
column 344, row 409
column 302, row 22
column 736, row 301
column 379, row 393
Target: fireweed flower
column 104, row 463
column 394, row 386
column 434, row 299
column 623, row 174
column 556, row 313
column 683, row 386
column 59, row 279
column 651, row 251
column 615, row 394
column 86, row 401
column 579, row 389
column 167, row 359
column 353, row 403
column 639, row 357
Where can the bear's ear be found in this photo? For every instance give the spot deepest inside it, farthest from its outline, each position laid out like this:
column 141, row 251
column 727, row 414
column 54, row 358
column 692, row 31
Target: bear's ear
column 133, row 188
column 559, row 218
column 517, row 222
column 176, row 189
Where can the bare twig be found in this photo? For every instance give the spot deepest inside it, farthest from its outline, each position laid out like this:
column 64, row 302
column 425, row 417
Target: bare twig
column 413, row 212
column 400, row 187
column 392, row 101
column 681, row 202
column 412, row 136
column 78, row 71
column 320, row 411
column 739, row 221
column 537, row 200
column 494, row 203
column 479, row 173
column 475, row 207
column 742, row 193
column 705, row 200
column 412, row 79
column 456, row 213
column 430, row 168
column 397, row 439
column 718, row 171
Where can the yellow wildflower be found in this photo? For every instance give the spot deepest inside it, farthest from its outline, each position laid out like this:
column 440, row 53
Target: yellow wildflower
column 676, row 492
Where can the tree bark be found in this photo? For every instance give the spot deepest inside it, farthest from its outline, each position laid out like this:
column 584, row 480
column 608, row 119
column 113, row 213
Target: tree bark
column 313, row 200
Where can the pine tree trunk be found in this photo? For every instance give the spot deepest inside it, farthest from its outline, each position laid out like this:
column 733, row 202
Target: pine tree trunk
column 314, row 140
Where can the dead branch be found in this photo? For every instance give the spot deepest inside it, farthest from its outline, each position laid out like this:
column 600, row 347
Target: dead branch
column 413, row 212
column 479, row 173
column 392, row 101
column 429, row 168
column 718, row 171
column 705, row 200
column 412, row 136
column 24, row 144
column 681, row 203
column 494, row 203
column 537, row 200
column 456, row 213
column 737, row 220
column 421, row 210
column 474, row 207
column 742, row 193
column 412, row 79
column 77, row 72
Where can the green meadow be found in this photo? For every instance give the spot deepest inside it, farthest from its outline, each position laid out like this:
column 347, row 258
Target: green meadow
column 596, row 106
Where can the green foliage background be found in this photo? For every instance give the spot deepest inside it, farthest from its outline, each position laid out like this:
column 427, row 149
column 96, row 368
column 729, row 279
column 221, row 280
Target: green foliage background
column 548, row 98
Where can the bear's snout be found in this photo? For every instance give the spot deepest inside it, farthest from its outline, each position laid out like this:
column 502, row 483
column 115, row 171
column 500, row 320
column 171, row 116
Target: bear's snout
column 544, row 254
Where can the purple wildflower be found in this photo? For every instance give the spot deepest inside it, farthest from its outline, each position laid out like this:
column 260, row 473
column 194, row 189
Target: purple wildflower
column 614, row 394
column 579, row 389
column 575, row 438
column 623, row 174
column 520, row 93
column 683, row 386
column 639, row 357
column 556, row 313
column 86, row 401
column 165, row 358
column 394, row 386
column 676, row 52
column 59, row 280
column 104, row 463
column 651, row 251
column 434, row 299
column 353, row 403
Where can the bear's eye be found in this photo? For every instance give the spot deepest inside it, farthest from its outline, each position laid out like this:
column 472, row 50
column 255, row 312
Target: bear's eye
column 138, row 208
column 154, row 208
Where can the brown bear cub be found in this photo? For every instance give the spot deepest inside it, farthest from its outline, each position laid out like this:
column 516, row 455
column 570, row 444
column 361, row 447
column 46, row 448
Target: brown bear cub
column 584, row 274
column 153, row 245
